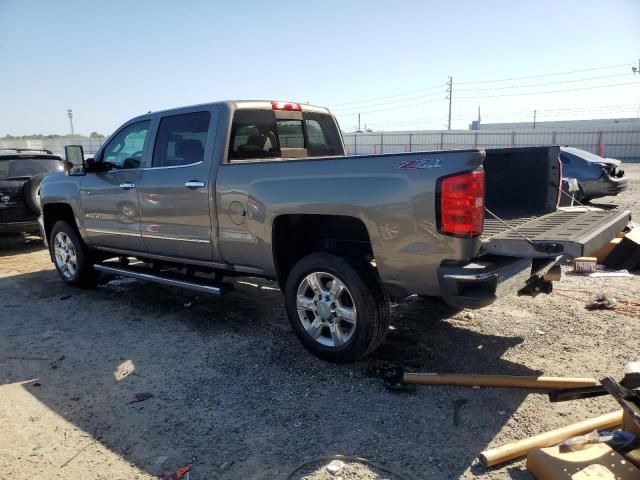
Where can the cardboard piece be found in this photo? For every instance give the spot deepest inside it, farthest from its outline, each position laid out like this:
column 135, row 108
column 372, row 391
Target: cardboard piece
column 606, row 249
column 627, row 253
column 596, row 462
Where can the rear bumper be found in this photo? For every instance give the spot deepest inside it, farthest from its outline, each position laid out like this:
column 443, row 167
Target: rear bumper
column 20, row 227
column 483, row 280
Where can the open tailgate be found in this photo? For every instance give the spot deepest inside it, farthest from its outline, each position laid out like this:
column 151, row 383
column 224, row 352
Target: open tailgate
column 573, row 231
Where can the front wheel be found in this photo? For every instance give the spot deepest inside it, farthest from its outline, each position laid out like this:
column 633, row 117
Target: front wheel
column 338, row 310
column 71, row 256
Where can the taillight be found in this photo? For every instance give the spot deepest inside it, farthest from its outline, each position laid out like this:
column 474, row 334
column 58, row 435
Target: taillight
column 296, row 107
column 462, row 204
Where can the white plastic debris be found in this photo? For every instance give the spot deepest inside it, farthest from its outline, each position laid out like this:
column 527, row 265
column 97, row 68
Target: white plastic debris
column 616, row 273
column 335, row 466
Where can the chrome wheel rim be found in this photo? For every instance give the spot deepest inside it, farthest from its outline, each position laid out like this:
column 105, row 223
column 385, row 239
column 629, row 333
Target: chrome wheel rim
column 65, row 255
column 326, row 309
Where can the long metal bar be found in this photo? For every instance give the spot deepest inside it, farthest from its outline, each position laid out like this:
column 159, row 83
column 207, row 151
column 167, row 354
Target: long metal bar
column 149, row 277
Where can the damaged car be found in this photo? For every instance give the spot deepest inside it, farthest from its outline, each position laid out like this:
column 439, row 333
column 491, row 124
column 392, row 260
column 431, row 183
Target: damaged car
column 596, row 176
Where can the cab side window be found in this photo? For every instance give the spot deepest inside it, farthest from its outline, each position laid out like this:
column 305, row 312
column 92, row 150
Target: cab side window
column 181, row 139
column 124, row 151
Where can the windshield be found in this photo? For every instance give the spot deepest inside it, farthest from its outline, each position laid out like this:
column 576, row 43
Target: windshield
column 27, row 167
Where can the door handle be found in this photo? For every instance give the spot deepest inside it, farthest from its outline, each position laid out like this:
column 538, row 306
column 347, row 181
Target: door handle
column 193, row 184
column 127, row 186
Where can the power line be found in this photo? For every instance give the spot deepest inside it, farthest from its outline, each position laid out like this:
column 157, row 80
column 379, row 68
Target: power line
column 389, row 108
column 356, row 109
column 374, row 99
column 550, row 91
column 546, row 74
column 545, row 83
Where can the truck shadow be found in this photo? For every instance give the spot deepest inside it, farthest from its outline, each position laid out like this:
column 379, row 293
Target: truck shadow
column 16, row 244
column 231, row 381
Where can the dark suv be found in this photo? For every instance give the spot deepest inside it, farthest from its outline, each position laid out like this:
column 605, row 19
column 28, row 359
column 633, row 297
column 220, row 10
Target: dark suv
column 21, row 172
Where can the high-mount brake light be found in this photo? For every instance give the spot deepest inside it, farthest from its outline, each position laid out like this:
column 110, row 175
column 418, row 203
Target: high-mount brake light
column 294, row 107
column 462, row 204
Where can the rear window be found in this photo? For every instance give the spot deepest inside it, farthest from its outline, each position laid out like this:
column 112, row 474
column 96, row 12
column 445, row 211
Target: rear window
column 27, row 167
column 257, row 134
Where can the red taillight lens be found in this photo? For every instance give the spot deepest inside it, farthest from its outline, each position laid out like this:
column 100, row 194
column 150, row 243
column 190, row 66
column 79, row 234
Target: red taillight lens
column 462, row 204
column 296, row 107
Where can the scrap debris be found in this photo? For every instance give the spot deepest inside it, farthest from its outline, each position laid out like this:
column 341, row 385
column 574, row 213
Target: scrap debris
column 520, row 448
column 457, row 405
column 602, row 301
column 178, row 474
column 141, row 397
column 335, row 466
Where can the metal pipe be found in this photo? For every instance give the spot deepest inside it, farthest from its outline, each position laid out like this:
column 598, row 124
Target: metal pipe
column 520, row 448
column 508, row 381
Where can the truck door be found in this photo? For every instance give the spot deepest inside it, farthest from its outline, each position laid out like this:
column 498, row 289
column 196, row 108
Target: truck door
column 175, row 190
column 110, row 196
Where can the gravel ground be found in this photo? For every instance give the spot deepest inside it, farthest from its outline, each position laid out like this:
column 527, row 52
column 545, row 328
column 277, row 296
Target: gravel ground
column 232, row 384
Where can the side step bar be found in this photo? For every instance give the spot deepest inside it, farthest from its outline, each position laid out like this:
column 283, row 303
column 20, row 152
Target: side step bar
column 168, row 278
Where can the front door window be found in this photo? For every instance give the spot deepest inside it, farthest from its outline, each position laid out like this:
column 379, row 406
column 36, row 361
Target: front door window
column 124, row 151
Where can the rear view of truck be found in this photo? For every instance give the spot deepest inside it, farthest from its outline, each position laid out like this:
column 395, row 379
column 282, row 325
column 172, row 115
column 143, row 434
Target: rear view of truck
column 523, row 227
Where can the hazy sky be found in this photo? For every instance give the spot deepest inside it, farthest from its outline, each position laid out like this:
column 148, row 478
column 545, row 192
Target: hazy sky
column 109, row 61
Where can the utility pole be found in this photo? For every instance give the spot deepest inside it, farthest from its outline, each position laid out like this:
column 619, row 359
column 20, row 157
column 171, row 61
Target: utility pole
column 359, row 123
column 70, row 115
column 534, row 119
column 637, row 70
column 449, row 96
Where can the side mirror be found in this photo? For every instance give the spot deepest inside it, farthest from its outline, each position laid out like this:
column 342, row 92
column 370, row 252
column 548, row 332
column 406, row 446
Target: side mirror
column 74, row 163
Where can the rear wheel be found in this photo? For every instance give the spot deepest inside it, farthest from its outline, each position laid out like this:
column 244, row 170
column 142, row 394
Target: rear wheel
column 339, row 310
column 71, row 257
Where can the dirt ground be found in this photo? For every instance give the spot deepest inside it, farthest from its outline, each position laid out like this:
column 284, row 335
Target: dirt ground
column 233, row 386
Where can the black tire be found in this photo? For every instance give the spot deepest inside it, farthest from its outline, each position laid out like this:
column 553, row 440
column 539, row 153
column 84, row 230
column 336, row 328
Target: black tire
column 31, row 196
column 365, row 292
column 84, row 275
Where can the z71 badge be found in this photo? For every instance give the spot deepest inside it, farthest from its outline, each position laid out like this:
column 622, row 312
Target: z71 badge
column 428, row 163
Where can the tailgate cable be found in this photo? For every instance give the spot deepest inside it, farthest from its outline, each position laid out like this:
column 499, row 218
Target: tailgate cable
column 539, row 247
column 509, row 226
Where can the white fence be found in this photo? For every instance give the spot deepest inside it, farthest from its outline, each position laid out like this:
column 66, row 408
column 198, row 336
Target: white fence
column 622, row 143
column 56, row 145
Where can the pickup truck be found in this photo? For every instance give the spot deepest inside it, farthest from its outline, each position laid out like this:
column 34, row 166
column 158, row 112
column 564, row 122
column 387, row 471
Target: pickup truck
column 189, row 196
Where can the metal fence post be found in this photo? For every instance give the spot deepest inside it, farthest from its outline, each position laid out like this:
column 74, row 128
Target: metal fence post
column 410, row 142
column 600, row 146
column 355, row 144
column 553, row 138
column 381, row 141
column 441, row 140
